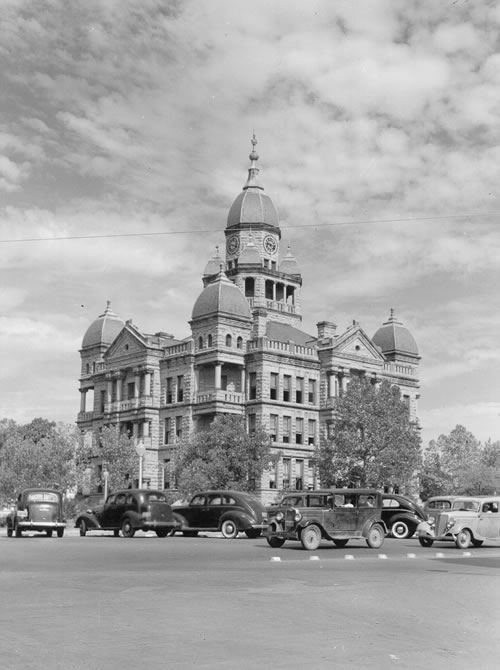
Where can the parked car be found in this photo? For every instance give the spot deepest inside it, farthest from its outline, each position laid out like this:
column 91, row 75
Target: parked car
column 128, row 511
column 437, row 504
column 350, row 514
column 471, row 520
column 229, row 512
column 39, row 510
column 401, row 515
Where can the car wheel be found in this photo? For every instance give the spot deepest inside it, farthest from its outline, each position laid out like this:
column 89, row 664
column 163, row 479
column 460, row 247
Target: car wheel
column 375, row 537
column 463, row 539
column 425, row 541
column 340, row 543
column 310, row 537
column 190, row 533
column 83, row 528
column 161, row 532
column 49, row 533
column 229, row 529
column 127, row 529
column 477, row 543
column 252, row 533
column 60, row 532
column 400, row 530
column 275, row 542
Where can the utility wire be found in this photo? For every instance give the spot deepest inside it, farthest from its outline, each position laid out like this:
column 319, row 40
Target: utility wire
column 218, row 230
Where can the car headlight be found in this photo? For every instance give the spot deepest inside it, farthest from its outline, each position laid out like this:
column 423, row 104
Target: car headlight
column 450, row 524
column 297, row 517
column 280, row 516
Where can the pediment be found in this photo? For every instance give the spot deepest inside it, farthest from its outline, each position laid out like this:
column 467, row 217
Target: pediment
column 129, row 341
column 357, row 343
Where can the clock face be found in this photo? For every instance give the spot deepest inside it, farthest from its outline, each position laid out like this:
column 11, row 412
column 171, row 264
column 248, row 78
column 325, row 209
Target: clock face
column 233, row 244
column 270, row 244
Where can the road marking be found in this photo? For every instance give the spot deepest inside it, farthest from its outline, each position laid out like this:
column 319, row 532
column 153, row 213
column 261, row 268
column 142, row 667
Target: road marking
column 411, row 555
column 382, row 555
column 439, row 555
column 314, row 558
column 349, row 557
column 275, row 558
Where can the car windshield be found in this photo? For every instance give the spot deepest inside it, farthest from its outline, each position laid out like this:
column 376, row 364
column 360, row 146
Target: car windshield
column 465, row 506
column 42, row 496
column 154, row 496
column 291, row 501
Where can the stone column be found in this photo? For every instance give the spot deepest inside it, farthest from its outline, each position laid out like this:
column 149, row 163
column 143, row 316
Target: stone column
column 83, row 400
column 135, row 430
column 137, row 384
column 147, row 384
column 118, row 389
column 243, row 380
column 109, row 391
column 218, row 375
column 146, row 431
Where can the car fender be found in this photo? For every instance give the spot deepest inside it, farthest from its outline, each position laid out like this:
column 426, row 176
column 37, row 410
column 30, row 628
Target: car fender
column 304, row 523
column 181, row 521
column 459, row 527
column 136, row 519
column 241, row 519
column 89, row 519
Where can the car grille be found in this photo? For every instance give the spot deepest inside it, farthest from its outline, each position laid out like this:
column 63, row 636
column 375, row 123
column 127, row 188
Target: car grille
column 441, row 521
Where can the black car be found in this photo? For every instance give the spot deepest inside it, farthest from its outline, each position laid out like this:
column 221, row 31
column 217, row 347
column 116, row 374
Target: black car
column 39, row 510
column 229, row 512
column 128, row 511
column 401, row 515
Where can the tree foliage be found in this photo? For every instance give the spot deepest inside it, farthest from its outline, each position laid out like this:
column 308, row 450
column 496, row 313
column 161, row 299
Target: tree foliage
column 459, row 464
column 372, row 440
column 40, row 453
column 111, row 451
column 223, row 456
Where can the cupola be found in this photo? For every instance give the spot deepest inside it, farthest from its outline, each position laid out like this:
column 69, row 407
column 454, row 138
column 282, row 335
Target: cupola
column 103, row 330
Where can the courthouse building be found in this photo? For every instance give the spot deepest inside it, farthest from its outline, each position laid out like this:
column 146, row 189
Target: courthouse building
column 246, row 354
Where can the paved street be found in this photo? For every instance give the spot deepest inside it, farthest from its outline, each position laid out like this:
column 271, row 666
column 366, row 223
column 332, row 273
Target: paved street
column 104, row 603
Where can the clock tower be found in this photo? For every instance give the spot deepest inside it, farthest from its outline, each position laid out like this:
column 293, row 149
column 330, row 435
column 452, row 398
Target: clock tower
column 254, row 263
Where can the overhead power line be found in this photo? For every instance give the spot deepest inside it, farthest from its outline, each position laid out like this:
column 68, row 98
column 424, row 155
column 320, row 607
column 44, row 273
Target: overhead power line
column 218, row 230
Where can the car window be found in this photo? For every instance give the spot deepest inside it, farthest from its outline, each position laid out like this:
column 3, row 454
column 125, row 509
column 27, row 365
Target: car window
column 390, row 502
column 491, row 507
column 439, row 504
column 342, row 500
column 466, row 506
column 215, row 500
column 229, row 500
column 367, row 501
column 42, row 496
column 131, row 500
column 317, row 501
column 155, row 496
column 198, row 500
column 121, row 499
column 291, row 501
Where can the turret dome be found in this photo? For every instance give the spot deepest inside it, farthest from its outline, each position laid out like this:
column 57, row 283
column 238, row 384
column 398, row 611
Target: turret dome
column 253, row 206
column 103, row 330
column 393, row 338
column 221, row 296
column 213, row 265
column 289, row 265
column 250, row 254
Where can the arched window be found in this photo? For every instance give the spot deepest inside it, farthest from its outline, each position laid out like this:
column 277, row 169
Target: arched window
column 93, row 367
column 209, row 341
column 239, row 343
column 200, row 342
column 250, row 287
column 87, row 367
column 229, row 341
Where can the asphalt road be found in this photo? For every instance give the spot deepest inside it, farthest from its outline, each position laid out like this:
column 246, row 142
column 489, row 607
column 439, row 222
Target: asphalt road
column 104, row 603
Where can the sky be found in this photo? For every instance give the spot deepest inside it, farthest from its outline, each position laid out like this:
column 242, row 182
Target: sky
column 125, row 131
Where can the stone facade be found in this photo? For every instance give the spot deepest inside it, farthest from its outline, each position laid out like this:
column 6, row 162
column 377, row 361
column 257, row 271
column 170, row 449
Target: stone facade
column 246, row 354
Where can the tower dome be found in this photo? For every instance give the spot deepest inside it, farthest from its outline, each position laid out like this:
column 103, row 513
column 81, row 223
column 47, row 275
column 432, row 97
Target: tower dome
column 253, row 206
column 221, row 296
column 103, row 330
column 393, row 338
column 213, row 265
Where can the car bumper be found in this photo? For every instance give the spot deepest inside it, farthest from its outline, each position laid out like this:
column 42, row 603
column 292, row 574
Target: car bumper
column 41, row 525
column 159, row 525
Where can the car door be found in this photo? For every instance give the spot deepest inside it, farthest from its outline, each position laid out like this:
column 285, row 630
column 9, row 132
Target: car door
column 342, row 517
column 215, row 509
column 197, row 511
column 106, row 514
column 488, row 522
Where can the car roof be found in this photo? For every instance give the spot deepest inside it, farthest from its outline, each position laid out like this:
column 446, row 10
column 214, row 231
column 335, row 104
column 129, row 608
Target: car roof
column 42, row 490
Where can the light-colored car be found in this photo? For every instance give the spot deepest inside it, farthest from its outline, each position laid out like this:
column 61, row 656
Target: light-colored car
column 471, row 520
column 437, row 504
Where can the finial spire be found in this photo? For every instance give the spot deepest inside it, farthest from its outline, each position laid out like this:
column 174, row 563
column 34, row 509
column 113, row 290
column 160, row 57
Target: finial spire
column 253, row 170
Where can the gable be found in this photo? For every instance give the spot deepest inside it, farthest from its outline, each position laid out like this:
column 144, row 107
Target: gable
column 357, row 344
column 127, row 343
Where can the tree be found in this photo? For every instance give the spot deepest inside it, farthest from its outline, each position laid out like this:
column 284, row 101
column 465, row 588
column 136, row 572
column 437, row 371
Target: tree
column 373, row 441
column 458, row 464
column 40, row 453
column 223, row 456
column 112, row 451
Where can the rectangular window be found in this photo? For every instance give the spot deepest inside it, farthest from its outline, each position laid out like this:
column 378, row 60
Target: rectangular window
column 299, row 431
column 166, row 473
column 169, row 397
column 312, row 431
column 180, row 388
column 287, row 423
column 252, row 386
column 251, row 424
column 287, row 384
column 130, row 390
column 299, row 475
column 103, row 400
column 312, row 391
column 273, row 394
column 273, row 427
column 299, row 389
column 168, row 428
column 286, row 473
column 178, row 427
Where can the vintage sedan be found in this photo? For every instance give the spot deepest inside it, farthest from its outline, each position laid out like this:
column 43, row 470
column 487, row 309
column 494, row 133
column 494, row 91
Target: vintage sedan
column 128, row 511
column 437, row 504
column 471, row 520
column 401, row 515
column 351, row 514
column 39, row 510
column 229, row 512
